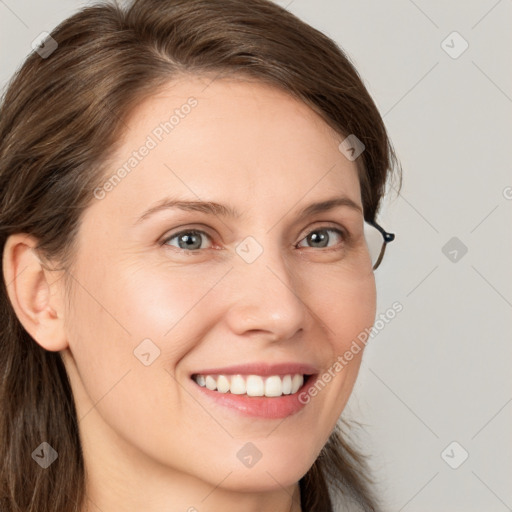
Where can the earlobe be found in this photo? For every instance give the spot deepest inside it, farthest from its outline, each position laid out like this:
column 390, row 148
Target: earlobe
column 35, row 292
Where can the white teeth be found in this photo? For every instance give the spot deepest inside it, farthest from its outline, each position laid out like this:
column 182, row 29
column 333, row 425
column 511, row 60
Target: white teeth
column 287, row 385
column 273, row 386
column 252, row 385
column 237, row 385
column 222, row 384
column 210, row 382
column 297, row 382
column 255, row 386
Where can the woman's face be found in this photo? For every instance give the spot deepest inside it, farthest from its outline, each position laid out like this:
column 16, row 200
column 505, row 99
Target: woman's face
column 270, row 292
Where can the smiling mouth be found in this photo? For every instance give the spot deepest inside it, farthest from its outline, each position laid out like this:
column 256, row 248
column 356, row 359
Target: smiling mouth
column 253, row 385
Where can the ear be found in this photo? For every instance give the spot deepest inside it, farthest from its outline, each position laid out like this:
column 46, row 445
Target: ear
column 35, row 292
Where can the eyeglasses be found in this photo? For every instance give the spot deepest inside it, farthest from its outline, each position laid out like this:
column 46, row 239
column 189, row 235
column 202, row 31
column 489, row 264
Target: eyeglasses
column 376, row 239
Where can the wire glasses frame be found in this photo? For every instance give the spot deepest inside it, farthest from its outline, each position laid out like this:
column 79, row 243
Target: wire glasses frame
column 377, row 238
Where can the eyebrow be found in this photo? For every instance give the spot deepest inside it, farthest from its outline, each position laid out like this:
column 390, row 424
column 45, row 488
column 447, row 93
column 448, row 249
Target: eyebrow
column 217, row 209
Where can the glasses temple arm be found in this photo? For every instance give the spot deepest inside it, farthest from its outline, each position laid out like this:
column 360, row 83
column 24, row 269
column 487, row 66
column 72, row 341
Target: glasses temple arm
column 388, row 237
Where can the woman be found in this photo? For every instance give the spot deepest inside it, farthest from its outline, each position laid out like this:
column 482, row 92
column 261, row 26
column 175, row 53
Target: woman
column 187, row 219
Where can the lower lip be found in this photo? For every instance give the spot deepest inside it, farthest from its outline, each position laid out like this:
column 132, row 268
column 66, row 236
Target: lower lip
column 261, row 406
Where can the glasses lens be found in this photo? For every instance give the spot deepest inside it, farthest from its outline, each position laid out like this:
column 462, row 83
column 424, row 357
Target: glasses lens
column 374, row 241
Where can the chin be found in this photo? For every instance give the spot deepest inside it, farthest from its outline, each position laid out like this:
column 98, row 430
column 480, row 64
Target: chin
column 273, row 478
column 277, row 468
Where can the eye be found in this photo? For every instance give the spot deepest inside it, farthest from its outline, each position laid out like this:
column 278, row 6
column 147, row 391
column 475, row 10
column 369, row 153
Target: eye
column 192, row 239
column 320, row 237
column 187, row 240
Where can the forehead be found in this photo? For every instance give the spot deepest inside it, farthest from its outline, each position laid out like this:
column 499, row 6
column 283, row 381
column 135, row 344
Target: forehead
column 227, row 140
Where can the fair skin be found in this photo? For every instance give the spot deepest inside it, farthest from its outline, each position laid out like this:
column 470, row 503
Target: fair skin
column 152, row 440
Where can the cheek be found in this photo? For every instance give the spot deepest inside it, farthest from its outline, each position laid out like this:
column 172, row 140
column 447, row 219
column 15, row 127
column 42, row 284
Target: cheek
column 348, row 312
column 132, row 315
column 139, row 320
column 160, row 304
column 171, row 307
column 348, row 308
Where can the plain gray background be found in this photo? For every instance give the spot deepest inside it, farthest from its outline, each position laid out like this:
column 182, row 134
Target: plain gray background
column 439, row 372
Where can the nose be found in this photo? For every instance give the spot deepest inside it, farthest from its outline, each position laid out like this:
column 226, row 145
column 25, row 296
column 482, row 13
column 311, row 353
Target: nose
column 266, row 298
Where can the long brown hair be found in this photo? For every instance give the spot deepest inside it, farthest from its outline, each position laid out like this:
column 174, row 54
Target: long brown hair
column 61, row 118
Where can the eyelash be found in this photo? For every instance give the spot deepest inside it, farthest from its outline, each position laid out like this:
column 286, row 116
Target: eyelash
column 344, row 236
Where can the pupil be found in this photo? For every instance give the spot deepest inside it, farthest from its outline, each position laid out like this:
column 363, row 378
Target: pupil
column 188, row 240
column 317, row 237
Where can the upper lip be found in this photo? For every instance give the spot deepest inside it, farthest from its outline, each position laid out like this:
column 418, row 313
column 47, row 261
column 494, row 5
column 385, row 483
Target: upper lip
column 263, row 369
